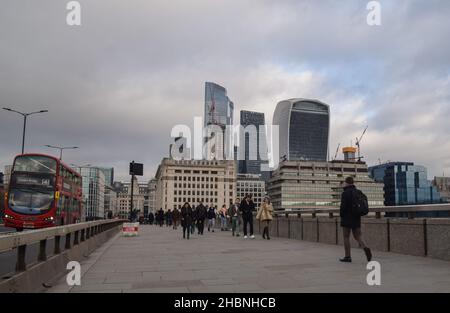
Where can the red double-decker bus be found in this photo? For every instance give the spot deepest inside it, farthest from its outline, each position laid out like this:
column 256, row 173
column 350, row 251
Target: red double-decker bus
column 42, row 192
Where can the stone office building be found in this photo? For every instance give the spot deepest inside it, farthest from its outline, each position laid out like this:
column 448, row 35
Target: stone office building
column 192, row 181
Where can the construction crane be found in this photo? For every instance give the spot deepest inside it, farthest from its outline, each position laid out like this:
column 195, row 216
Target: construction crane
column 358, row 143
column 337, row 151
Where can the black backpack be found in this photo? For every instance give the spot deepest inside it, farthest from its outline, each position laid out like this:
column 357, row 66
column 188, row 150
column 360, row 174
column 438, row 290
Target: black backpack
column 360, row 203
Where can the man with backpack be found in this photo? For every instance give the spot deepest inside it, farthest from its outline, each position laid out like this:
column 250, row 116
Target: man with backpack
column 353, row 205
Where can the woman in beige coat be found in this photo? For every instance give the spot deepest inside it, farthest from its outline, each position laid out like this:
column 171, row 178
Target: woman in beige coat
column 265, row 216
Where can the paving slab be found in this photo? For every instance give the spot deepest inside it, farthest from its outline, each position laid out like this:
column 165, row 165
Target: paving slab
column 159, row 260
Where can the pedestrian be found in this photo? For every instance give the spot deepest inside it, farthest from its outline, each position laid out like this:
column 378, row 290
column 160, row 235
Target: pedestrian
column 161, row 217
column 265, row 216
column 211, row 217
column 351, row 200
column 247, row 207
column 235, row 215
column 151, row 218
column 201, row 213
column 186, row 219
column 175, row 217
column 194, row 219
column 223, row 217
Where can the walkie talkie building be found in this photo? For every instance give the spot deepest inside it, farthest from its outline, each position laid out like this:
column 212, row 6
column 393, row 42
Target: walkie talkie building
column 304, row 127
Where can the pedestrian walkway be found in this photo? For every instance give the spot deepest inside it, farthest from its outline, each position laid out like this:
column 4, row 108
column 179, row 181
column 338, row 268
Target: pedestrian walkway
column 159, row 260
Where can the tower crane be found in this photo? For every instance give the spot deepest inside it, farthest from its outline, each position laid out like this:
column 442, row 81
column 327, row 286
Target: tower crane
column 337, row 151
column 358, row 143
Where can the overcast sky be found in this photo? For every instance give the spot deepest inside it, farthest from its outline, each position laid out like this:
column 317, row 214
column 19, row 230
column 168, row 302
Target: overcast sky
column 116, row 85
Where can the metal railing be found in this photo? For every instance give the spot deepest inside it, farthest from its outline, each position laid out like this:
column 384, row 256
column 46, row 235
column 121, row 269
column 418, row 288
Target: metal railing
column 74, row 234
column 411, row 210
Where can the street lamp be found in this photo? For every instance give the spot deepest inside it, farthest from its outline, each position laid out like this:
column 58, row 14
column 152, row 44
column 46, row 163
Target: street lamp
column 25, row 115
column 61, row 149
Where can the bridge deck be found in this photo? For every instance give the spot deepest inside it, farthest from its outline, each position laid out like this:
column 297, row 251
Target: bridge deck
column 159, row 260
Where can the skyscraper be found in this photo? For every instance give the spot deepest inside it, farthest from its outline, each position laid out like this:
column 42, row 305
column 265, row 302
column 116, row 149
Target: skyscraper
column 304, row 127
column 254, row 143
column 219, row 110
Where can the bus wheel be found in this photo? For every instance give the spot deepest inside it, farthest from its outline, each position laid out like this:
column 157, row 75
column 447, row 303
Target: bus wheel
column 19, row 229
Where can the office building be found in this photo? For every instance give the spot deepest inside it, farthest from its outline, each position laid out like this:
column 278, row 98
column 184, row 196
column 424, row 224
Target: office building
column 109, row 175
column 93, row 192
column 443, row 187
column 219, row 110
column 111, row 206
column 251, row 184
column 254, row 143
column 192, row 181
column 7, row 176
column 297, row 185
column 140, row 198
column 304, row 127
column 152, row 196
column 405, row 184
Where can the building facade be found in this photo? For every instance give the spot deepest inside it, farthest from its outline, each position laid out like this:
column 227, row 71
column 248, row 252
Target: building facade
column 251, row 184
column 297, row 185
column 152, row 196
column 219, row 110
column 7, row 176
column 93, row 193
column 192, row 181
column 140, row 198
column 109, row 175
column 405, row 184
column 254, row 144
column 443, row 186
column 111, row 206
column 304, row 127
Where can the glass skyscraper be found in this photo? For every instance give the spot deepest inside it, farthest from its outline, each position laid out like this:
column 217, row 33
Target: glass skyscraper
column 405, row 184
column 254, row 143
column 93, row 192
column 219, row 110
column 304, row 127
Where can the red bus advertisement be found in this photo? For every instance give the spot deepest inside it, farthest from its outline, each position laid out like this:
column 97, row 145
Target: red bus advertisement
column 42, row 192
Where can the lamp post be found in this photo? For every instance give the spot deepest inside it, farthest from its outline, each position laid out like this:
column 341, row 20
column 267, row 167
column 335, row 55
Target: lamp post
column 25, row 115
column 61, row 149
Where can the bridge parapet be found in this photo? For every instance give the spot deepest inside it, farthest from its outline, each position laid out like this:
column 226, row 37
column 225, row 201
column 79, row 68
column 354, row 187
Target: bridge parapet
column 78, row 241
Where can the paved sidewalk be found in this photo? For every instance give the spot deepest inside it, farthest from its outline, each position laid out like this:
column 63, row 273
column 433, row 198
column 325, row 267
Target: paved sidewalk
column 159, row 260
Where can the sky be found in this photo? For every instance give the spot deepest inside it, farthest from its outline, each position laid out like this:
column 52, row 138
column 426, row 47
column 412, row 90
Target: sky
column 117, row 84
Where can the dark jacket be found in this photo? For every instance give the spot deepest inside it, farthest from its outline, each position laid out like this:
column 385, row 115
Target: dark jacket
column 247, row 208
column 348, row 219
column 176, row 215
column 186, row 216
column 211, row 213
column 201, row 212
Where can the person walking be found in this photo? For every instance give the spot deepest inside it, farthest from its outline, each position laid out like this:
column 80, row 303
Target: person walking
column 351, row 200
column 264, row 216
column 223, row 218
column 151, row 218
column 235, row 215
column 186, row 219
column 211, row 218
column 175, row 217
column 201, row 213
column 194, row 219
column 247, row 207
column 161, row 217
column 169, row 218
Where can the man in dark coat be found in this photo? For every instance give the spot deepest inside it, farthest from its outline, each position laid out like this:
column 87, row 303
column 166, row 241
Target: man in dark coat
column 200, row 213
column 247, row 208
column 151, row 218
column 186, row 219
column 161, row 217
column 351, row 222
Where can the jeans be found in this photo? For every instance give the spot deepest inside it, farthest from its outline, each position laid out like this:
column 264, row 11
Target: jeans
column 211, row 223
column 248, row 220
column 188, row 228
column 235, row 225
column 223, row 222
